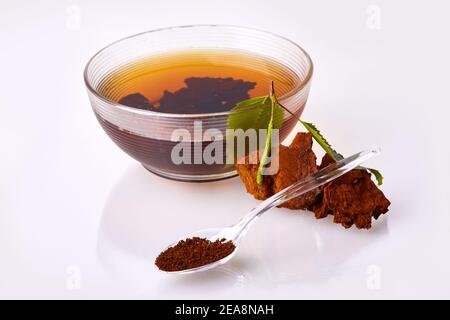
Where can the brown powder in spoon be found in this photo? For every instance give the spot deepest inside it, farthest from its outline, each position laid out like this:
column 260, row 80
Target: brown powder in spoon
column 193, row 252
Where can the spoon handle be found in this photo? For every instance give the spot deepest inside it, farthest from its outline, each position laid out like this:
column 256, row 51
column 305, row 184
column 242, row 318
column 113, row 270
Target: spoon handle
column 327, row 174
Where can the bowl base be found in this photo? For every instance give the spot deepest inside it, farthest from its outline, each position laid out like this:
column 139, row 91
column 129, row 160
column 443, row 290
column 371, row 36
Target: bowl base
column 191, row 178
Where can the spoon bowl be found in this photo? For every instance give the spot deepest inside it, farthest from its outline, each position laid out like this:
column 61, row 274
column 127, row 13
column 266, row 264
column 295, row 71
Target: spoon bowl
column 211, row 234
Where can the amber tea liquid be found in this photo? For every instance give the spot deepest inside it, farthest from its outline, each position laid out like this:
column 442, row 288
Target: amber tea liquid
column 189, row 82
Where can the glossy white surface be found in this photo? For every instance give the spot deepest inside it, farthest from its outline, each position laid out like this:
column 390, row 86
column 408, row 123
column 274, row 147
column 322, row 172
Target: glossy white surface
column 79, row 219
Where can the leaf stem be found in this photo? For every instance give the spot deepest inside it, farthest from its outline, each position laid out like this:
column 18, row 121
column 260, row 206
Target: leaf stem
column 268, row 145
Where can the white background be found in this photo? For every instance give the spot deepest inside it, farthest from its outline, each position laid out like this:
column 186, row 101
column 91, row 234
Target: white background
column 80, row 219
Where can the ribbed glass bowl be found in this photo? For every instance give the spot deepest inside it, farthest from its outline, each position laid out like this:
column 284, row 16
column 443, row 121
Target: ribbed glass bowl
column 146, row 135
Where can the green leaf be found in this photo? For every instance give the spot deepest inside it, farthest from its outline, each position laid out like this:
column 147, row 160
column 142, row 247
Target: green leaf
column 321, row 140
column 326, row 146
column 257, row 117
column 250, row 103
column 269, row 115
column 333, row 153
column 250, row 118
column 377, row 174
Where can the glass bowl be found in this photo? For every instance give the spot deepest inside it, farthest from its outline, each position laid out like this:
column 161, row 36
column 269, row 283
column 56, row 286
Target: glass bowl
column 146, row 135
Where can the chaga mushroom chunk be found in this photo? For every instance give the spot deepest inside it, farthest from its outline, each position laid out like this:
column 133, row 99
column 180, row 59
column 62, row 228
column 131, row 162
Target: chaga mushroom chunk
column 136, row 100
column 295, row 162
column 351, row 199
column 248, row 170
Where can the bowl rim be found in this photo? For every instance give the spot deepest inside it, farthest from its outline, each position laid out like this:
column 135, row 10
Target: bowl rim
column 293, row 91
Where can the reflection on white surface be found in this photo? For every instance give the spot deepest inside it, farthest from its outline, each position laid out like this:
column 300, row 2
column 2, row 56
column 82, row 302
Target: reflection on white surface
column 144, row 213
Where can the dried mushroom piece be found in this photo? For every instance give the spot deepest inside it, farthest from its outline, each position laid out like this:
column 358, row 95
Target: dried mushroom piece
column 351, row 199
column 248, row 170
column 295, row 162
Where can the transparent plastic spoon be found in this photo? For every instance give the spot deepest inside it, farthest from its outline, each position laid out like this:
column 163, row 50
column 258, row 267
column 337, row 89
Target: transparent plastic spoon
column 236, row 232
